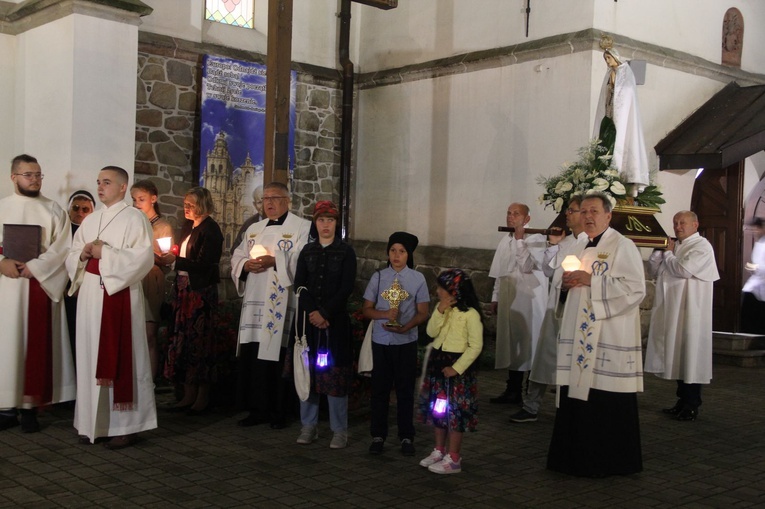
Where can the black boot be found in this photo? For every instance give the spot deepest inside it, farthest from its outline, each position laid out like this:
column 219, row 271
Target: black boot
column 29, row 422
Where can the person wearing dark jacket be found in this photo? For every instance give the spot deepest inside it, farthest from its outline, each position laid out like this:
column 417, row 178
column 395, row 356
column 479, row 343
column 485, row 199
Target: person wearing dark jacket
column 189, row 355
column 324, row 277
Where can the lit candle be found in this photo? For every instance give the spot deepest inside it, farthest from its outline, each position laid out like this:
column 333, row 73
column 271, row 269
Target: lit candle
column 571, row 263
column 164, row 244
column 257, row 251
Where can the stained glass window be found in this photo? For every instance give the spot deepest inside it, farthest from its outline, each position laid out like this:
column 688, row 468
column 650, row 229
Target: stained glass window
column 239, row 13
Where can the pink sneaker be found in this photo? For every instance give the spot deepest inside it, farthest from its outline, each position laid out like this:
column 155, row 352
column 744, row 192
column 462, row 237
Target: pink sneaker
column 434, row 457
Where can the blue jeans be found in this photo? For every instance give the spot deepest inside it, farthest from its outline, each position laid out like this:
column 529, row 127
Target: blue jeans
column 338, row 412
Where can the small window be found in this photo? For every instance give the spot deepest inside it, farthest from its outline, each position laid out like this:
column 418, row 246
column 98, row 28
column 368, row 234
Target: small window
column 239, row 13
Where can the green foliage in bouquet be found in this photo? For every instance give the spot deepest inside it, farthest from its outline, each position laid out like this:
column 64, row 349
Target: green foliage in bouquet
column 594, row 172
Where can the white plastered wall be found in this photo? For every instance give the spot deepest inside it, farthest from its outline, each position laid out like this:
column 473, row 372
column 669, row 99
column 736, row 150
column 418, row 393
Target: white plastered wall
column 314, row 27
column 7, row 107
column 443, row 158
column 74, row 91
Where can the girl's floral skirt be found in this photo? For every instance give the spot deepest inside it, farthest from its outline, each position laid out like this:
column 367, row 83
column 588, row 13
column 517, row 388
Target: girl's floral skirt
column 462, row 392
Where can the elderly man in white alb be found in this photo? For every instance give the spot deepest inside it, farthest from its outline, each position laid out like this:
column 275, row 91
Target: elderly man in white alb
column 263, row 268
column 518, row 300
column 680, row 338
column 600, row 371
column 112, row 252
column 35, row 359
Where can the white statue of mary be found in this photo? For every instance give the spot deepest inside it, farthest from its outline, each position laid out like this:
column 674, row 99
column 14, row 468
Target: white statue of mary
column 618, row 101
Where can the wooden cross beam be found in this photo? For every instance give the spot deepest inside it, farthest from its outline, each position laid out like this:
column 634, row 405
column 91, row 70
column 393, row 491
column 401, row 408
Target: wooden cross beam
column 279, row 65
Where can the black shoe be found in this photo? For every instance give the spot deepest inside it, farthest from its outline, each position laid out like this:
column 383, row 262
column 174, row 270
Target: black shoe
column 523, row 416
column 8, row 421
column 675, row 409
column 376, row 447
column 687, row 414
column 407, row 447
column 507, row 398
column 29, row 422
column 251, row 420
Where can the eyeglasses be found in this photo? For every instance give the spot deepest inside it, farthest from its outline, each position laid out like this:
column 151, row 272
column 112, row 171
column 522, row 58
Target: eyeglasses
column 31, row 176
column 189, row 206
column 572, row 211
column 274, row 198
column 85, row 208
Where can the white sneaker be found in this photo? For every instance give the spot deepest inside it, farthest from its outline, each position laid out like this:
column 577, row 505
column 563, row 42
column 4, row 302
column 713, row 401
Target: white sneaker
column 339, row 440
column 307, row 435
column 434, row 457
column 446, row 466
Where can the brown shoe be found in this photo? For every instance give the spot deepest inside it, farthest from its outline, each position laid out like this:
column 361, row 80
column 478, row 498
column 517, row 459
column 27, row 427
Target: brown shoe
column 120, row 442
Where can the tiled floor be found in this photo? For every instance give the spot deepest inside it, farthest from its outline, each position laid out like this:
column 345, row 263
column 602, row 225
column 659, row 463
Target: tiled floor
column 717, row 461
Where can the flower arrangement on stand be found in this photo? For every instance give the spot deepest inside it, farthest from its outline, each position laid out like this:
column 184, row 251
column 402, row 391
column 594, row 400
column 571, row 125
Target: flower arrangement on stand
column 593, row 172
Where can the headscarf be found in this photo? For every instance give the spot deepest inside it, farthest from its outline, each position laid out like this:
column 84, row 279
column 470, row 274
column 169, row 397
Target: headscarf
column 82, row 194
column 409, row 242
column 451, row 280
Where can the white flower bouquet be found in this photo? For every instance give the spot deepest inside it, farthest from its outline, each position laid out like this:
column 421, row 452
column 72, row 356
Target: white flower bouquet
column 592, row 172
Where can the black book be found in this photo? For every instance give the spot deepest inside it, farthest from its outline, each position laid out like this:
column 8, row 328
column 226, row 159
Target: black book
column 21, row 242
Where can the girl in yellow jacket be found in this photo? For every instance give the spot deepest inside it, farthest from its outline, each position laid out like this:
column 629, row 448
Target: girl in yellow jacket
column 450, row 388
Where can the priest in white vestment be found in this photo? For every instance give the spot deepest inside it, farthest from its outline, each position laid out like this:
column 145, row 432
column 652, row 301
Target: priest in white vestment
column 518, row 300
column 36, row 366
column 543, row 365
column 680, row 337
column 263, row 268
column 599, row 366
column 111, row 253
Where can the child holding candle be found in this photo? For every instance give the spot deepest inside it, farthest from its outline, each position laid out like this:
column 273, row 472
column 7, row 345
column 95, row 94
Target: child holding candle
column 450, row 388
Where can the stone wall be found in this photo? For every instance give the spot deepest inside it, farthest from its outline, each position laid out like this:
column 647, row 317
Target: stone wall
column 168, row 123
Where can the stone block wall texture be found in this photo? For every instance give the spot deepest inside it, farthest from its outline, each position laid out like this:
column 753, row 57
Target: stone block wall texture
column 168, row 129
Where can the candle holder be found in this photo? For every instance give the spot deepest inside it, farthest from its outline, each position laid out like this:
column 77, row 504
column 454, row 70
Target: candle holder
column 165, row 243
column 571, row 263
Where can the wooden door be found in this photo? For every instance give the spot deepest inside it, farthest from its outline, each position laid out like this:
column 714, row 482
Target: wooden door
column 718, row 201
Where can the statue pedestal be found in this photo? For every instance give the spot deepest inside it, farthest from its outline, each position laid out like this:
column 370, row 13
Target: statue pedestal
column 636, row 223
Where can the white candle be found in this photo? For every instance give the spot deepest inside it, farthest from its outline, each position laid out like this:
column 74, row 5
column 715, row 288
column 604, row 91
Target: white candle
column 164, row 244
column 257, row 250
column 571, row 263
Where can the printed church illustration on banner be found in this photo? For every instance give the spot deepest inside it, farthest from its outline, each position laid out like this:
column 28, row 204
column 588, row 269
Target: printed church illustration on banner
column 232, row 137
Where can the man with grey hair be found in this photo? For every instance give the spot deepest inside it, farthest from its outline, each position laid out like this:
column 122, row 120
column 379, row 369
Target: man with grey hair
column 599, row 367
column 263, row 267
column 680, row 337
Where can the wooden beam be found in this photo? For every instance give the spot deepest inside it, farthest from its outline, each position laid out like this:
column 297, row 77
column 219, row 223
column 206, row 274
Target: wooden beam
column 380, row 4
column 279, row 66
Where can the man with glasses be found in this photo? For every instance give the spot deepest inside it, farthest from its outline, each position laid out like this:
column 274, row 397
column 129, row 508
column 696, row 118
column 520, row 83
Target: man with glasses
column 599, row 363
column 543, row 365
column 35, row 359
column 263, row 267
